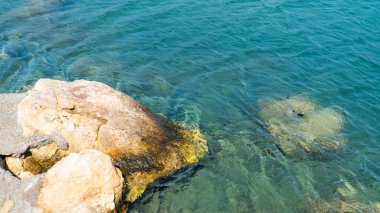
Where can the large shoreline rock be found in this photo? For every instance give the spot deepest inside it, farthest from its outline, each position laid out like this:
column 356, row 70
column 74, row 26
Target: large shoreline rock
column 57, row 118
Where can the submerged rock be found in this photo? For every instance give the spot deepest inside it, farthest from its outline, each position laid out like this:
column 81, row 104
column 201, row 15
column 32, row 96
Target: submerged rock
column 298, row 122
column 92, row 115
column 85, row 181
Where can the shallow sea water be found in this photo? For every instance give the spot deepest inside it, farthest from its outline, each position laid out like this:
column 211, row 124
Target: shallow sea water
column 209, row 64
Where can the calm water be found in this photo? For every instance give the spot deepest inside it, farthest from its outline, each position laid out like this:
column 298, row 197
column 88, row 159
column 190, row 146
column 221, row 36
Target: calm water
column 208, row 64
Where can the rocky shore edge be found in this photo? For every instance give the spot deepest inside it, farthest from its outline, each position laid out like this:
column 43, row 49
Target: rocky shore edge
column 84, row 147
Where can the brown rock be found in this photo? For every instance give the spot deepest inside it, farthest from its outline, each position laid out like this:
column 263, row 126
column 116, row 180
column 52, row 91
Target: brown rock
column 85, row 181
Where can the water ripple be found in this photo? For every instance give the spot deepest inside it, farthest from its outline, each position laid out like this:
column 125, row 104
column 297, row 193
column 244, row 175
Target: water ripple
column 207, row 63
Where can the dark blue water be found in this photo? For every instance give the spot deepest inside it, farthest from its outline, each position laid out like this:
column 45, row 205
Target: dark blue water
column 209, row 64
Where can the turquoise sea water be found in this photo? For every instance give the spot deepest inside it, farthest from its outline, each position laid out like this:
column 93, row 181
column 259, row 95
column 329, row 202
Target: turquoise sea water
column 208, row 64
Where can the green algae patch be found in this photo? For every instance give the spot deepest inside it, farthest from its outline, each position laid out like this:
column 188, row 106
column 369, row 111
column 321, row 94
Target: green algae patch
column 38, row 165
column 297, row 122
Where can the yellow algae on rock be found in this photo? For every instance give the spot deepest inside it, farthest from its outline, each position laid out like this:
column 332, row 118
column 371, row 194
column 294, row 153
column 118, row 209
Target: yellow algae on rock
column 137, row 183
column 39, row 161
column 299, row 122
column 188, row 148
column 14, row 165
column 194, row 145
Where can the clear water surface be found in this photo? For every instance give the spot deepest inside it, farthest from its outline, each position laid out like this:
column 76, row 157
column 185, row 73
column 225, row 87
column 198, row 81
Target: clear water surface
column 208, row 64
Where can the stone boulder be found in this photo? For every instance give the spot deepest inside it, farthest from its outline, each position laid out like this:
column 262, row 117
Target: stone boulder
column 82, row 182
column 92, row 115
